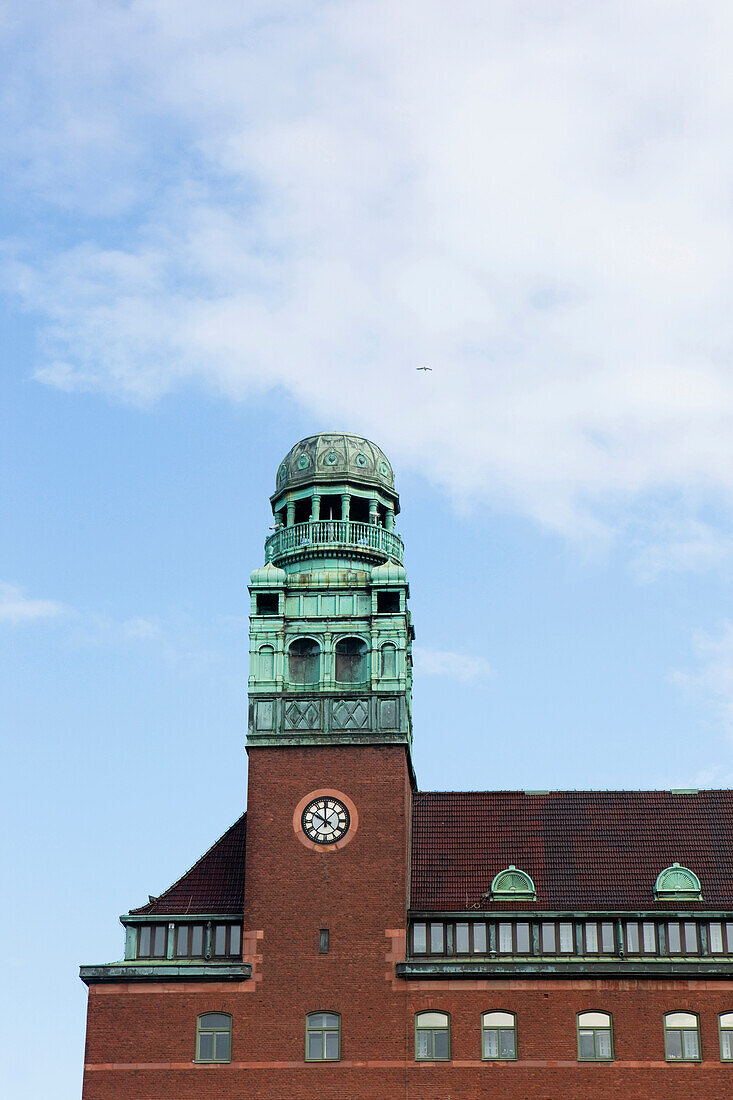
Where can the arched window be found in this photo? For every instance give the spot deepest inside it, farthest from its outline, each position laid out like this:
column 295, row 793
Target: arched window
column 432, row 1037
column 214, row 1037
column 595, row 1037
column 511, row 884
column 725, row 1026
column 351, row 661
column 677, row 883
column 389, row 660
column 267, row 662
column 681, row 1037
column 498, row 1036
column 322, row 1037
column 304, row 661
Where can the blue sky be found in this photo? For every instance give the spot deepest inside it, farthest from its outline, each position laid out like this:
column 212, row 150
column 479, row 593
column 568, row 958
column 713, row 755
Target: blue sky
column 226, row 226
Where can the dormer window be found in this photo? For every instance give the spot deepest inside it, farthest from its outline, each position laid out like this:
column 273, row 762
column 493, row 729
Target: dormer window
column 677, row 883
column 513, row 885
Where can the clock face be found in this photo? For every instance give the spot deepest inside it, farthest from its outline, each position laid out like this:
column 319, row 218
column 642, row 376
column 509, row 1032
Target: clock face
column 325, row 820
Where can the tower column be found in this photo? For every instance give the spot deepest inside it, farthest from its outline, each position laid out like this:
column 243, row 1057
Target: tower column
column 389, row 518
column 315, row 507
column 345, row 505
column 373, row 511
column 290, row 520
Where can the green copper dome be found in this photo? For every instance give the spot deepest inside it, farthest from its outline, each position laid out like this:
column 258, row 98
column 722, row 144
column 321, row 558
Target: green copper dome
column 335, row 457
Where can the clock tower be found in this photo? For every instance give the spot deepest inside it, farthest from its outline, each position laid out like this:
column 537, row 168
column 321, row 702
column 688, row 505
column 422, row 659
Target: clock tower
column 330, row 778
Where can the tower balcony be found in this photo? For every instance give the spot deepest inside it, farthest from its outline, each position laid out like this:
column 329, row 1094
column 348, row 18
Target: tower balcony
column 333, row 536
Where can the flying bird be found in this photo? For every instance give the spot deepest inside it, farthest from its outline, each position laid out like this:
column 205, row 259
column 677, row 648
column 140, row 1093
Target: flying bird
column 423, row 368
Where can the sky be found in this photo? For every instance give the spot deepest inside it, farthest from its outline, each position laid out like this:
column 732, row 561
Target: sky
column 228, row 225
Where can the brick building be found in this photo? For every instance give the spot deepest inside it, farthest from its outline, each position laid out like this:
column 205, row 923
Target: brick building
column 351, row 936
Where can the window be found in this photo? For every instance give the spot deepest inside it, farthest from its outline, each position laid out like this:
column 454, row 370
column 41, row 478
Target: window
column 267, row 662
column 681, row 1037
column 322, row 1037
column 595, row 1037
column 304, row 661
column 268, row 603
column 677, row 883
column 351, row 661
column 599, row 937
column 511, row 884
column 214, row 1037
column 389, row 660
column 725, row 1026
column 498, row 1036
column 432, row 1037
column 388, row 603
column 152, row 941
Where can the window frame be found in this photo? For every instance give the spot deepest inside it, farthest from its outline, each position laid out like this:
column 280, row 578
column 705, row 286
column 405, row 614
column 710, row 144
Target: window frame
column 323, row 1031
column 727, row 1031
column 432, row 1030
column 594, row 1028
column 499, row 1029
column 212, row 1031
column 364, row 659
column 681, row 1030
column 319, row 665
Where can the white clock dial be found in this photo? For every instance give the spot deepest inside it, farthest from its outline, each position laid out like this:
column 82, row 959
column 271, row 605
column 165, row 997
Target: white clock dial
column 325, row 820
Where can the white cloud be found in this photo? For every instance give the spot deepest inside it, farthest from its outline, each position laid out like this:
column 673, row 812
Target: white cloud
column 712, row 680
column 456, row 666
column 15, row 607
column 535, row 200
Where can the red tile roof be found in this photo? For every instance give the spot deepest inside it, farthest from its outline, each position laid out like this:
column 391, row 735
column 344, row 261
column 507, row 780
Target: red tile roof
column 215, row 884
column 583, row 849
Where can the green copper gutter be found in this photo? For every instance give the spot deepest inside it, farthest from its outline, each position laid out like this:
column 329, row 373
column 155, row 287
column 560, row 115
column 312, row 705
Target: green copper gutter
column 162, row 972
column 565, row 968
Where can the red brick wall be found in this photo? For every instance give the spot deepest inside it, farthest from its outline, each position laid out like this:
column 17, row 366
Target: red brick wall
column 140, row 1040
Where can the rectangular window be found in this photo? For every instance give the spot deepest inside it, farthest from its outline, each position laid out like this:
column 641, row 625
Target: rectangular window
column 729, row 936
column 523, row 937
column 436, row 939
column 143, row 941
column 220, row 939
column 566, row 937
column 715, row 938
column 691, row 937
column 324, row 941
column 159, row 938
column 591, row 937
column 197, row 940
column 506, row 940
column 462, row 938
column 548, row 937
column 182, row 940
column 419, row 938
column 674, row 940
column 235, row 945
column 607, row 937
column 479, row 938
column 726, row 1039
column 650, row 937
column 632, row 937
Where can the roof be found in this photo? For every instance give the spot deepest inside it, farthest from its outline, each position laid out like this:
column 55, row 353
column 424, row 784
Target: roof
column 583, row 849
column 215, row 884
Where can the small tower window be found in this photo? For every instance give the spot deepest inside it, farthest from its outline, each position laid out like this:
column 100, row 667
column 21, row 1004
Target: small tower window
column 677, row 883
column 267, row 662
column 351, row 661
column 389, row 660
column 513, row 883
column 388, row 603
column 268, row 603
column 304, row 661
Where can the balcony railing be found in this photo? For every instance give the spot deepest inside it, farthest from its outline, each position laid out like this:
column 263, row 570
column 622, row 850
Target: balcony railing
column 336, row 534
